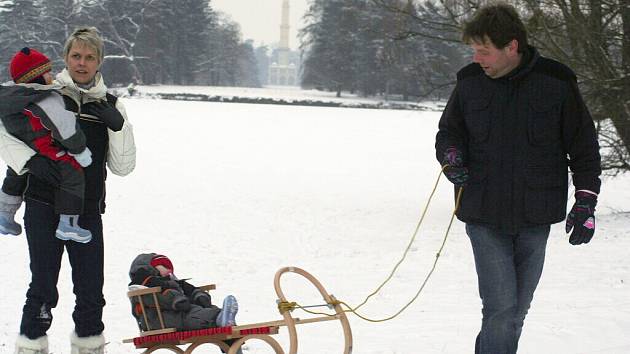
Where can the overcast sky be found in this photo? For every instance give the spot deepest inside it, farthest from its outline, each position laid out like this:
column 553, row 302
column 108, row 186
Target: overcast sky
column 260, row 19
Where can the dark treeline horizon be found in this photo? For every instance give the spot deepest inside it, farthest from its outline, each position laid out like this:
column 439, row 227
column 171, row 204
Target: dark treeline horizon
column 146, row 41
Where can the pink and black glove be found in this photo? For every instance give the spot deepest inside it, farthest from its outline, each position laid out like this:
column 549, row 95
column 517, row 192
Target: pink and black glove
column 581, row 218
column 456, row 172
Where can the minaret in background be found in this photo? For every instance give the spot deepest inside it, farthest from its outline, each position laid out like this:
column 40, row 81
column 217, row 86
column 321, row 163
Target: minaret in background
column 283, row 50
column 282, row 71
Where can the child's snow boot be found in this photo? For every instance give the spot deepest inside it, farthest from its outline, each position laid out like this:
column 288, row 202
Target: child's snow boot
column 25, row 345
column 9, row 204
column 69, row 229
column 87, row 345
column 227, row 316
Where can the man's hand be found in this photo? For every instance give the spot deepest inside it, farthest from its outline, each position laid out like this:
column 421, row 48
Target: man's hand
column 455, row 170
column 581, row 218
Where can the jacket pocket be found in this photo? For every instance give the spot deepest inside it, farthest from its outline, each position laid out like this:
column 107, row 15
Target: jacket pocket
column 473, row 206
column 477, row 118
column 544, row 123
column 545, row 196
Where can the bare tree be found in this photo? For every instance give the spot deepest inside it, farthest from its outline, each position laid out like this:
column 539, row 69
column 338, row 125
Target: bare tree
column 590, row 36
column 115, row 21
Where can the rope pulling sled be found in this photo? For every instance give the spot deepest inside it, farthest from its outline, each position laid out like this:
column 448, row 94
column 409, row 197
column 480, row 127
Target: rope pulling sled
column 169, row 339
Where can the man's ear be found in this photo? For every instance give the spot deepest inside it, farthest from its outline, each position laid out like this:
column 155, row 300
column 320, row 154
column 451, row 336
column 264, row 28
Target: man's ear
column 513, row 46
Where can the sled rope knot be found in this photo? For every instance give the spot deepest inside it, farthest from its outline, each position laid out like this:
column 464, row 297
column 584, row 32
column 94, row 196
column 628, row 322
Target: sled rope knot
column 284, row 306
column 350, row 309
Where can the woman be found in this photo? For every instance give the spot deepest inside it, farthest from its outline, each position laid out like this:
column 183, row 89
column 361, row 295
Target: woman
column 84, row 93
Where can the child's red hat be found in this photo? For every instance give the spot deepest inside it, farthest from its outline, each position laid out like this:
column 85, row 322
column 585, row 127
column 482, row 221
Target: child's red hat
column 163, row 261
column 28, row 64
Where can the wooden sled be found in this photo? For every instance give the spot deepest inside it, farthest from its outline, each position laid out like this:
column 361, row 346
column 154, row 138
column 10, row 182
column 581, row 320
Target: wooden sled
column 169, row 339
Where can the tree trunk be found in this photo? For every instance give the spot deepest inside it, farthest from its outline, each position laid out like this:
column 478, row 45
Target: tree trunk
column 622, row 123
column 625, row 17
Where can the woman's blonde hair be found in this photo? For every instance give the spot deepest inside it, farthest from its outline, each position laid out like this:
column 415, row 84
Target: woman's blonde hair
column 86, row 36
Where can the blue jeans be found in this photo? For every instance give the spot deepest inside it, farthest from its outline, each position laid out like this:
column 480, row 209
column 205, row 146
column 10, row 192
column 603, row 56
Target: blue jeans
column 508, row 270
column 46, row 251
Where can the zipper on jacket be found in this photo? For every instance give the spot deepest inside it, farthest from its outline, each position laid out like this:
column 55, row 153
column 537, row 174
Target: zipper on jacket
column 101, row 199
column 24, row 197
column 80, row 103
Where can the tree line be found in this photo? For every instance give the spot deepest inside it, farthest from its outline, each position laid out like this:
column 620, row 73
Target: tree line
column 412, row 47
column 146, row 41
column 362, row 46
column 401, row 48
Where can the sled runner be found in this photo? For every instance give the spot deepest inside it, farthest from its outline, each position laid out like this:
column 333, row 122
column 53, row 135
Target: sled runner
column 185, row 342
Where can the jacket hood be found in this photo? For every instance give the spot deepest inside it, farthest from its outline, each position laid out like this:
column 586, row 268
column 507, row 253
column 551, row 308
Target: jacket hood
column 96, row 92
column 142, row 264
column 530, row 57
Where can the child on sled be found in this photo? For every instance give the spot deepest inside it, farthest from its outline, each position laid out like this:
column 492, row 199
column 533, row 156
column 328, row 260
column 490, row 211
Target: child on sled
column 184, row 306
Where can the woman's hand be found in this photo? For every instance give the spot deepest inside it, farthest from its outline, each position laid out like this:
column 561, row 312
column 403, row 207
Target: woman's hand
column 106, row 112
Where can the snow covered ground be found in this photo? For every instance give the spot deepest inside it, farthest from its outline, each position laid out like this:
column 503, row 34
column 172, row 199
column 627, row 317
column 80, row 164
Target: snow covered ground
column 233, row 192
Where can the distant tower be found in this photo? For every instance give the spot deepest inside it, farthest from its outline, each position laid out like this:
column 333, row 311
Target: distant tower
column 283, row 51
column 283, row 72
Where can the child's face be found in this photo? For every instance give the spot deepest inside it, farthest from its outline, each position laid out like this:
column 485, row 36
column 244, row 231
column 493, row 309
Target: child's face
column 48, row 78
column 164, row 271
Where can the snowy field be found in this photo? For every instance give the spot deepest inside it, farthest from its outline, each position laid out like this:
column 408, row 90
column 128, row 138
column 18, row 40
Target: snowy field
column 233, row 192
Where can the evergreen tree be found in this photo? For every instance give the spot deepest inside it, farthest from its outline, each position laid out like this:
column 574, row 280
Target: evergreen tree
column 150, row 41
column 330, row 44
column 58, row 19
column 224, row 49
column 152, row 47
column 262, row 59
column 248, row 68
column 19, row 27
column 366, row 46
column 121, row 22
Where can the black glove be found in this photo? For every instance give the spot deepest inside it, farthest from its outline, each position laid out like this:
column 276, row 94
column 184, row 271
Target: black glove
column 201, row 298
column 581, row 218
column 106, row 112
column 456, row 172
column 44, row 169
column 181, row 303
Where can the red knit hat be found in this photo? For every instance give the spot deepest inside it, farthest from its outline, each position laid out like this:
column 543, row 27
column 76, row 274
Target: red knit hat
column 28, row 64
column 163, row 261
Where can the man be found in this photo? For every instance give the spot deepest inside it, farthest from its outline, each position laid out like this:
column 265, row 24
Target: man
column 513, row 124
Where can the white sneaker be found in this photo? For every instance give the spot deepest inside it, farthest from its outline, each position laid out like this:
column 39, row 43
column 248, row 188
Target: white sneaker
column 24, row 345
column 227, row 316
column 87, row 345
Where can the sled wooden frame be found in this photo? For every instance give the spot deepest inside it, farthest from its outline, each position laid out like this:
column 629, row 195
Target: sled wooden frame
column 168, row 339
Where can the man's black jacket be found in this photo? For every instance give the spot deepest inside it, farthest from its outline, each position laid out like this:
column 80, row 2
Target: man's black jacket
column 519, row 133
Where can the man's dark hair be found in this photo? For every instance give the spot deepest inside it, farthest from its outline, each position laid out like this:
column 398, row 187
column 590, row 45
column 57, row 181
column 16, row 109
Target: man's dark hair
column 500, row 23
